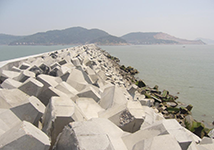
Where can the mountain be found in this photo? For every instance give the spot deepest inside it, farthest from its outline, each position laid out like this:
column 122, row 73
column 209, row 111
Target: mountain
column 74, row 35
column 207, row 41
column 149, row 38
column 79, row 35
column 109, row 40
column 6, row 39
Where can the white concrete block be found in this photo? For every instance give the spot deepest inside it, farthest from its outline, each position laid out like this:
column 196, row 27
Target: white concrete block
column 90, row 92
column 83, row 135
column 89, row 107
column 24, row 75
column 10, row 84
column 11, row 97
column 24, row 136
column 78, row 79
column 31, row 110
column 58, row 113
column 31, row 87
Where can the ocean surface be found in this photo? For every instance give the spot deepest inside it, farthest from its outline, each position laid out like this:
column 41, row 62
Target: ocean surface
column 185, row 71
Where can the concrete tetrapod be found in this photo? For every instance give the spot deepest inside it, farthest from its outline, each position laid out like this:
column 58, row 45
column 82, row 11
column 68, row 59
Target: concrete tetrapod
column 24, row 136
column 59, row 112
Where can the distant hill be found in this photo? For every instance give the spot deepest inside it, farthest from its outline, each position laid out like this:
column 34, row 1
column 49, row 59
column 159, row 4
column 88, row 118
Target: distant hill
column 6, row 39
column 74, row 35
column 79, row 35
column 207, row 41
column 148, row 38
column 109, row 40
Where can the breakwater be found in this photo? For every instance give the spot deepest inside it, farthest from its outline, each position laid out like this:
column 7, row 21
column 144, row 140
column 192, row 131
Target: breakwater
column 81, row 98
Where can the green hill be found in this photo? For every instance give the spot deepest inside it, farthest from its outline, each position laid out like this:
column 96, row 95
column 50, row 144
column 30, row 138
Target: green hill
column 109, row 40
column 74, row 35
column 6, row 39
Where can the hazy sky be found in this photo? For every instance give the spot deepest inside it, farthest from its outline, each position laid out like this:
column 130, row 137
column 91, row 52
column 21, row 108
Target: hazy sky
column 187, row 19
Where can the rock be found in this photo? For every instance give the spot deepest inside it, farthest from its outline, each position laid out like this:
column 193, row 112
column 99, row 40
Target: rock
column 172, row 104
column 189, row 107
column 211, row 134
column 24, row 136
column 141, row 84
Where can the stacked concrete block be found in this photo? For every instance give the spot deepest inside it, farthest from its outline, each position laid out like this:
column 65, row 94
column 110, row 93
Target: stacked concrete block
column 24, row 75
column 7, row 120
column 10, row 84
column 31, row 87
column 79, row 100
column 24, row 136
column 31, row 110
column 11, row 97
column 78, row 79
column 90, row 92
column 84, row 135
column 89, row 107
column 58, row 113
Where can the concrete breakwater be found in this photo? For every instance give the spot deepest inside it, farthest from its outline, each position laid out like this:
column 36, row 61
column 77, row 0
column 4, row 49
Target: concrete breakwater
column 77, row 98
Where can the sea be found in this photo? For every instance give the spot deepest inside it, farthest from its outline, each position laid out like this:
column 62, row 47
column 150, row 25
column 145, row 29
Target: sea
column 186, row 71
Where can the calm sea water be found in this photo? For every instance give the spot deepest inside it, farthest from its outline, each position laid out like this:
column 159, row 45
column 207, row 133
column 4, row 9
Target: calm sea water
column 188, row 70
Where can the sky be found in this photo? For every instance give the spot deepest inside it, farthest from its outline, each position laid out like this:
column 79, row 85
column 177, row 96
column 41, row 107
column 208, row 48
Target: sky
column 188, row 19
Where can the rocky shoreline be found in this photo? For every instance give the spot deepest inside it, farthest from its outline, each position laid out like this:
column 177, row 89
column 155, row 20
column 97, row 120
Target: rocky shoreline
column 82, row 98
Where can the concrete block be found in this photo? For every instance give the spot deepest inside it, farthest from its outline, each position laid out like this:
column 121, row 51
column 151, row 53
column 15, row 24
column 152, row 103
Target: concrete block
column 164, row 127
column 10, row 84
column 76, row 62
column 47, row 81
column 132, row 89
column 89, row 107
column 24, row 66
column 92, row 75
column 58, row 113
column 36, row 70
column 11, row 97
column 4, row 74
column 83, row 135
column 46, row 95
column 7, row 120
column 206, row 144
column 24, row 136
column 90, row 92
column 31, row 87
column 31, row 110
column 16, row 69
column 78, row 79
column 24, row 75
column 112, row 95
column 165, row 142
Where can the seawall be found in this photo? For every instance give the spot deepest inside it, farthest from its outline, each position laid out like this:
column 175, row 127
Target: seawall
column 77, row 98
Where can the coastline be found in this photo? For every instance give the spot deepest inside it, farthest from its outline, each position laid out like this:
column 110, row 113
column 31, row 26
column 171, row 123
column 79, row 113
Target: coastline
column 86, row 86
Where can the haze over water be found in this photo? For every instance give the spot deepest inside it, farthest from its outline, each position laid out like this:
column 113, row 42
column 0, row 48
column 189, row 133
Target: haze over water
column 189, row 70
